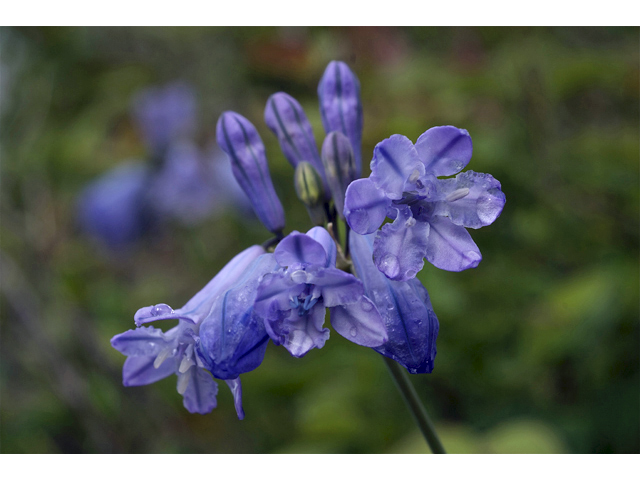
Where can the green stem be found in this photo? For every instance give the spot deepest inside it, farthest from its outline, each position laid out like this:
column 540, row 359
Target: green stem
column 420, row 415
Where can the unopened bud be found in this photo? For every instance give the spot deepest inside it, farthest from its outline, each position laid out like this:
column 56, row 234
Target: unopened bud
column 308, row 185
column 339, row 166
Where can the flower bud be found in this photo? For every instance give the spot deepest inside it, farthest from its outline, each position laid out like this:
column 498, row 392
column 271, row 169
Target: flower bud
column 310, row 191
column 341, row 107
column 287, row 120
column 339, row 166
column 241, row 142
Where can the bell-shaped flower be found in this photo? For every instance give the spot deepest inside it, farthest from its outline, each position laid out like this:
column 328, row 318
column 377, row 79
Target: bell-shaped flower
column 293, row 299
column 114, row 209
column 154, row 354
column 341, row 107
column 430, row 214
column 185, row 187
column 165, row 114
column 339, row 166
column 240, row 140
column 404, row 306
column 287, row 120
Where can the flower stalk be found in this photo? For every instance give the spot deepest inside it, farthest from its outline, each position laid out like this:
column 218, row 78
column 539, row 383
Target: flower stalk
column 408, row 392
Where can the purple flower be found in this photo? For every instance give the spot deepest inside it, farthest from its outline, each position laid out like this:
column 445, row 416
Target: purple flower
column 113, row 209
column 405, row 308
column 341, row 107
column 184, row 188
column 153, row 354
column 430, row 214
column 241, row 142
column 292, row 300
column 165, row 114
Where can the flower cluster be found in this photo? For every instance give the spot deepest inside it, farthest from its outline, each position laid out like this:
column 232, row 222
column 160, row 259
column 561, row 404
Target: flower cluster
column 177, row 181
column 280, row 292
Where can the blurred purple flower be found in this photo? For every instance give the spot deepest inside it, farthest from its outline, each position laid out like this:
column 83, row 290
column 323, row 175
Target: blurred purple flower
column 113, row 209
column 153, row 354
column 430, row 214
column 165, row 114
column 292, row 300
column 185, row 187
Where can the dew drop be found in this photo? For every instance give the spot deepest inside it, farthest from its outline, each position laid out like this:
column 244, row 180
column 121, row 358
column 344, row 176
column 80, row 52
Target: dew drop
column 390, row 265
column 161, row 309
column 366, row 306
column 353, row 332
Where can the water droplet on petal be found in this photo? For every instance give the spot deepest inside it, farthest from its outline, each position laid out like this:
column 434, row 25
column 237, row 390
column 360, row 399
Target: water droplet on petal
column 390, row 265
column 366, row 306
column 161, row 309
column 353, row 332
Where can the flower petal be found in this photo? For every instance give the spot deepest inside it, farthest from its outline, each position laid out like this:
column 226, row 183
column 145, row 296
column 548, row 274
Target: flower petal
column 444, row 150
column 200, row 395
column 365, row 206
column 338, row 287
column 360, row 323
column 199, row 306
column 232, row 338
column 141, row 342
column 275, row 292
column 450, row 246
column 341, row 107
column 306, row 332
column 471, row 199
column 139, row 371
column 406, row 309
column 241, row 142
column 400, row 247
column 236, row 389
column 320, row 235
column 395, row 160
column 299, row 248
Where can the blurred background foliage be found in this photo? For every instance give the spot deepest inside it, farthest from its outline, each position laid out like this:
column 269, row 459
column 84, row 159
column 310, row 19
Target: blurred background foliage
column 538, row 347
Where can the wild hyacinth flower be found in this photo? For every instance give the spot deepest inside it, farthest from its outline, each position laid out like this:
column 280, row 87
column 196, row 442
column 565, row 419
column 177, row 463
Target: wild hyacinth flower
column 240, row 140
column 165, row 114
column 114, row 209
column 430, row 214
column 153, row 354
column 184, row 188
column 293, row 299
column 405, row 307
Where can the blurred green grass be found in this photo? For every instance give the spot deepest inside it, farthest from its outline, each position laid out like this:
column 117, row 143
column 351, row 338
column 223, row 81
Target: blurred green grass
column 538, row 347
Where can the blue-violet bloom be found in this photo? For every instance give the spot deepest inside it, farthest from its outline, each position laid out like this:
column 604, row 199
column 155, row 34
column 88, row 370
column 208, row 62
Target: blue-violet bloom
column 165, row 114
column 153, row 354
column 292, row 300
column 240, row 140
column 114, row 209
column 405, row 307
column 430, row 214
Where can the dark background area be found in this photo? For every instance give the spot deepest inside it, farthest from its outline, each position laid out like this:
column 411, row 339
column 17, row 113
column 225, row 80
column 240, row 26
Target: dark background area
column 538, row 346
